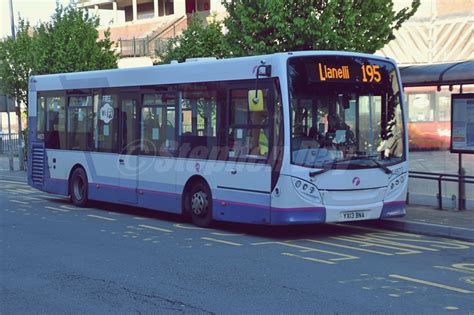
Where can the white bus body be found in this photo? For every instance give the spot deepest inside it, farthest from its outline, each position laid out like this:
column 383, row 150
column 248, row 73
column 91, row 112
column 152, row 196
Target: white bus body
column 190, row 137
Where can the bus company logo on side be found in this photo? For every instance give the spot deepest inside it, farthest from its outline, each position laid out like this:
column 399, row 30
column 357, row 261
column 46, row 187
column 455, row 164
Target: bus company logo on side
column 106, row 113
column 326, row 72
column 356, row 181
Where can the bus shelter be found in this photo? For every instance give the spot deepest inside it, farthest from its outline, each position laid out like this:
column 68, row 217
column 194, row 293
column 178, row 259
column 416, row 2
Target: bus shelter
column 438, row 177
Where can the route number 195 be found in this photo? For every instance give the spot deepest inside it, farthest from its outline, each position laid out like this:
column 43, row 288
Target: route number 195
column 371, row 73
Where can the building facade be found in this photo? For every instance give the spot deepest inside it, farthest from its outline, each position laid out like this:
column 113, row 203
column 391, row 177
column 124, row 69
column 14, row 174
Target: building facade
column 440, row 31
column 142, row 27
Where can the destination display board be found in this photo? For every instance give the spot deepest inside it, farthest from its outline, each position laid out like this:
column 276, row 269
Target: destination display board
column 462, row 123
column 347, row 69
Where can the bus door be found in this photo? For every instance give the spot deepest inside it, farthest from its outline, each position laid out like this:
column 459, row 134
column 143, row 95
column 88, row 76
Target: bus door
column 244, row 186
column 128, row 157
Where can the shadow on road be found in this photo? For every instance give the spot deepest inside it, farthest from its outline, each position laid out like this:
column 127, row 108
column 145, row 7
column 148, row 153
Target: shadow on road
column 274, row 232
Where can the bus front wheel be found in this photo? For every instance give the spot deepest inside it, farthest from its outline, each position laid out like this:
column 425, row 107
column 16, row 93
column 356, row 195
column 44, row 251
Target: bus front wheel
column 199, row 204
column 78, row 187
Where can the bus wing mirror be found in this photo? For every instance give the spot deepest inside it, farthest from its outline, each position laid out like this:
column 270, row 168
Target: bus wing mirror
column 264, row 70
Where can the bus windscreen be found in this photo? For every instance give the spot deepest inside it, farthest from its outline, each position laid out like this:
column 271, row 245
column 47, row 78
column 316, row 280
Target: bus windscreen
column 345, row 111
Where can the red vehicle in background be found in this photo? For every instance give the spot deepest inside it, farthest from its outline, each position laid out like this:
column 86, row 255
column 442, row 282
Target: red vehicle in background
column 430, row 135
column 429, row 117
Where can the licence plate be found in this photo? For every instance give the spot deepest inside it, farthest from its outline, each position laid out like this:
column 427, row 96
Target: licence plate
column 353, row 215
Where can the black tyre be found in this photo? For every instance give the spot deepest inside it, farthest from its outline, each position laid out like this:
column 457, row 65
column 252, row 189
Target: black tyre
column 198, row 203
column 78, row 187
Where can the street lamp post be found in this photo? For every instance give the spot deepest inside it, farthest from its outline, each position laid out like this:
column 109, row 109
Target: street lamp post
column 20, row 138
column 10, row 147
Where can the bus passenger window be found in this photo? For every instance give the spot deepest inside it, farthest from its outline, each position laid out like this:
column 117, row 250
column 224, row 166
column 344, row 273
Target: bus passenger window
column 199, row 104
column 40, row 113
column 106, row 122
column 79, row 123
column 158, row 125
column 55, row 134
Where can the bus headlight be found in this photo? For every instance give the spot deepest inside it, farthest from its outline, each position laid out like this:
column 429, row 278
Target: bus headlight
column 395, row 186
column 306, row 190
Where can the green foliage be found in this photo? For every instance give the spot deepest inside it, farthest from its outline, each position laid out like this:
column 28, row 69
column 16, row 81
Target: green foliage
column 16, row 63
column 197, row 40
column 67, row 43
column 267, row 26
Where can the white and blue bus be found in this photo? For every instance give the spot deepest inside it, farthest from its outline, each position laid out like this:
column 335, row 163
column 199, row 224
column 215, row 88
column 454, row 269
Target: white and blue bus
column 288, row 138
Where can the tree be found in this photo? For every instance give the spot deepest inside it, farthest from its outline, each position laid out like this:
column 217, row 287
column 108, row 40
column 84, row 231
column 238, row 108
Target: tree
column 70, row 43
column 16, row 63
column 267, row 26
column 197, row 40
column 67, row 43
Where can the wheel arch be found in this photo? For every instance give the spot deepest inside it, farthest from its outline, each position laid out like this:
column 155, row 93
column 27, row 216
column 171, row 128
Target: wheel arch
column 75, row 166
column 189, row 183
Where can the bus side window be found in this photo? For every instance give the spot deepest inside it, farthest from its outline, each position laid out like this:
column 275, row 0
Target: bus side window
column 40, row 114
column 79, row 123
column 106, row 122
column 199, row 104
column 55, row 133
column 158, row 124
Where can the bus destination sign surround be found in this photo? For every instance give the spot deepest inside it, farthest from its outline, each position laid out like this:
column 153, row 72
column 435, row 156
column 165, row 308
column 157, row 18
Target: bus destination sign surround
column 367, row 72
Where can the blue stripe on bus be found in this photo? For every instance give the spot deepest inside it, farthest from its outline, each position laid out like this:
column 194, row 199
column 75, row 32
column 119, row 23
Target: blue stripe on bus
column 298, row 215
column 393, row 209
column 55, row 186
column 162, row 201
column 257, row 210
column 228, row 210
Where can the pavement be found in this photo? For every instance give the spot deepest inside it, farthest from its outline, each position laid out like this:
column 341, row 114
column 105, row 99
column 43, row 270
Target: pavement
column 431, row 221
column 419, row 219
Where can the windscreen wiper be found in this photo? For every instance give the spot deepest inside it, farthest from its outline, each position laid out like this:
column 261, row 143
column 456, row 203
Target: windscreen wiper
column 327, row 166
column 373, row 158
column 380, row 165
column 314, row 173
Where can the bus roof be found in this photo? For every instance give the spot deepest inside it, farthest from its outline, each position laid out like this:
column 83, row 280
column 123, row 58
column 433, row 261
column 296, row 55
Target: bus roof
column 200, row 70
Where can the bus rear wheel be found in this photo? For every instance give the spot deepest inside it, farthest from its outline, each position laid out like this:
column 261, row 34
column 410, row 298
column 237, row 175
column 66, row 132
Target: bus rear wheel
column 199, row 204
column 78, row 187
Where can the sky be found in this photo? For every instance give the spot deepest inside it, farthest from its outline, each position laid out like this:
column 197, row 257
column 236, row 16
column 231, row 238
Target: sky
column 32, row 10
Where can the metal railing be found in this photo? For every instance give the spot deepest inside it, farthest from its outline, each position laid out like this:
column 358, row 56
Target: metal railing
column 142, row 47
column 5, row 142
column 440, row 177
